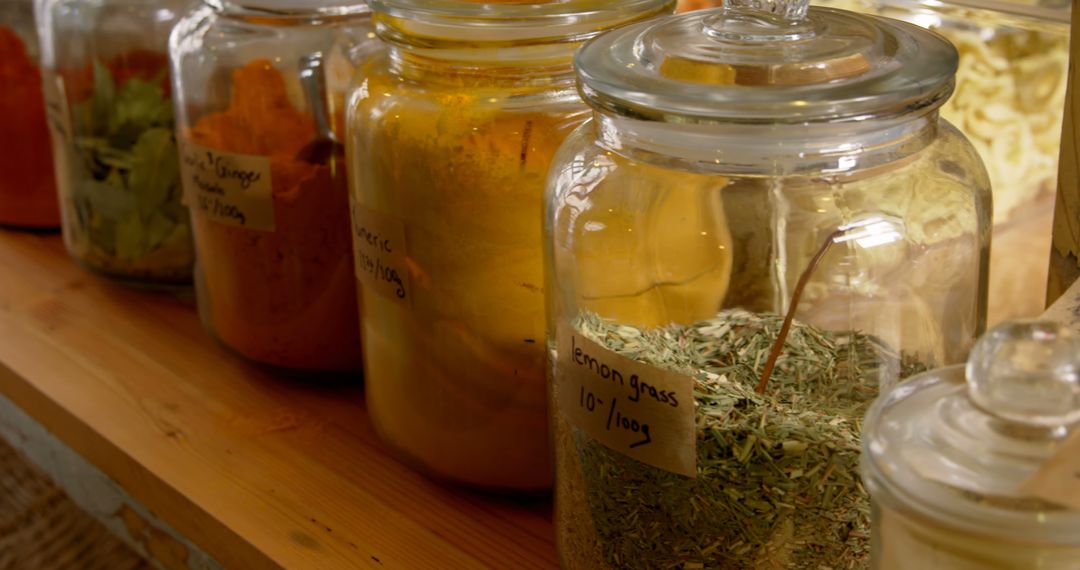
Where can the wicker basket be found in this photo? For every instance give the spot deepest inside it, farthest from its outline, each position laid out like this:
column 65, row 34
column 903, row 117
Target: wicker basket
column 42, row 529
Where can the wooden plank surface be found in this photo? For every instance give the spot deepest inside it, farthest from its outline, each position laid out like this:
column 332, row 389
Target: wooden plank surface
column 258, row 471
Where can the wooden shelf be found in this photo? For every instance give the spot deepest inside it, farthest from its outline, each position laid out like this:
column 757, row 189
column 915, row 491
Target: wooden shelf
column 254, row 470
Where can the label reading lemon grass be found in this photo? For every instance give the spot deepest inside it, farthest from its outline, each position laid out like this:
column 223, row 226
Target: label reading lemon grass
column 379, row 254
column 639, row 410
column 233, row 189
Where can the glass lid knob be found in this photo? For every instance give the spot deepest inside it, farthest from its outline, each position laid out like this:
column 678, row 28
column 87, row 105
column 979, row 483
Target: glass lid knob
column 760, row 22
column 786, row 9
column 1027, row 373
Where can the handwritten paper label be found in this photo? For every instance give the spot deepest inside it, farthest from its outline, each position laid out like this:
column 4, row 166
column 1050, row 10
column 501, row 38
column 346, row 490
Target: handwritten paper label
column 639, row 410
column 233, row 189
column 380, row 255
column 1058, row 480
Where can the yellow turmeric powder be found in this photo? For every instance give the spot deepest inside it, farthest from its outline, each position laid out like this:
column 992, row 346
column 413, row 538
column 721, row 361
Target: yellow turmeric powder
column 284, row 297
column 456, row 380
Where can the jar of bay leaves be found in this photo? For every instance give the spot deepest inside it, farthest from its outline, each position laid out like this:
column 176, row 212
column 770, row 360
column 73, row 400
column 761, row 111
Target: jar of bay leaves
column 451, row 134
column 975, row 467
column 27, row 190
column 764, row 223
column 106, row 71
column 260, row 91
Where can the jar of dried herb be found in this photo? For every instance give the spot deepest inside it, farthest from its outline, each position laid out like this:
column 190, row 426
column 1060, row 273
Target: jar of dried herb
column 451, row 134
column 973, row 468
column 260, row 90
column 27, row 190
column 106, row 71
column 764, row 222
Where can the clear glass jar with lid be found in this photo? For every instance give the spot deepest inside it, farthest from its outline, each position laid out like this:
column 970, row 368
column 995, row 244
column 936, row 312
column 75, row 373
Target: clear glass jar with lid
column 764, row 223
column 451, row 133
column 106, row 73
column 969, row 467
column 260, row 90
column 1010, row 103
column 27, row 187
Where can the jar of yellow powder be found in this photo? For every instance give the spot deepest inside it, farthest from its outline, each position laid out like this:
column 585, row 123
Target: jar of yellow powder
column 450, row 134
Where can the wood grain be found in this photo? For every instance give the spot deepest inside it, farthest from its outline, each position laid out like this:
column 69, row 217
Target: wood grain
column 259, row 471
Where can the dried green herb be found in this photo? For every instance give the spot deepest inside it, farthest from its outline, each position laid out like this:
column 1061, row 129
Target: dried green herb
column 125, row 192
column 777, row 483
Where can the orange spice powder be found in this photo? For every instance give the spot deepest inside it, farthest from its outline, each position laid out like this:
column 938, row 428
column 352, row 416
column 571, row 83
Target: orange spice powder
column 27, row 188
column 285, row 297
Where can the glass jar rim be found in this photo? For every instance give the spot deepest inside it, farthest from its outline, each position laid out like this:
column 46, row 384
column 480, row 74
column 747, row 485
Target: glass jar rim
column 1047, row 13
column 540, row 21
column 287, row 9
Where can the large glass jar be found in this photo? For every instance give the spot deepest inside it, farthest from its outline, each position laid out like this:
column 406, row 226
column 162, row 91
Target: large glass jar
column 1009, row 102
column 260, row 90
column 764, row 223
column 973, row 468
column 451, row 134
column 106, row 69
column 27, row 190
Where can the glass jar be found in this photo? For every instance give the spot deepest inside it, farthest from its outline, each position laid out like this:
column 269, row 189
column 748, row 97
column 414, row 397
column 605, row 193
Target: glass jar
column 1009, row 102
column 965, row 475
column 106, row 69
column 764, row 223
column 27, row 190
column 451, row 132
column 260, row 90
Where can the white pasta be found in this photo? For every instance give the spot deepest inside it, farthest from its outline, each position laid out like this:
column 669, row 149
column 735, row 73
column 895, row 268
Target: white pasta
column 1009, row 100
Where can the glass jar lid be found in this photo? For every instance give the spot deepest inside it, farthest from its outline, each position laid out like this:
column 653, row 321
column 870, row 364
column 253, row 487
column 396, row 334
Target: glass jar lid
column 767, row 61
column 486, row 21
column 961, row 445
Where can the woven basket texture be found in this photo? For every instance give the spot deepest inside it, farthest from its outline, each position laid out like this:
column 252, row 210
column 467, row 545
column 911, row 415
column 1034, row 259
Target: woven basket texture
column 42, row 529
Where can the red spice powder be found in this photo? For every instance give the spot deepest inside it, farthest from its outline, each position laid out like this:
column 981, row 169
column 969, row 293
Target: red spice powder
column 27, row 188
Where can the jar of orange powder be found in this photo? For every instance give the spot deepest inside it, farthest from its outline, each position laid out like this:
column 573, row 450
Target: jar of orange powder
column 260, row 86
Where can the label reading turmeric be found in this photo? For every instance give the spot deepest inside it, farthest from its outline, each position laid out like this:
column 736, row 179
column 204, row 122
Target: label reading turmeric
column 229, row 188
column 380, row 255
column 638, row 410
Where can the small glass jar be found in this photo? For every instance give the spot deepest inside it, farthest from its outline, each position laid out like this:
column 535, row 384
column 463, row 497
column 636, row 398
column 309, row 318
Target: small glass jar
column 27, row 190
column 451, row 135
column 106, row 71
column 959, row 461
column 260, row 90
column 763, row 224
column 1009, row 102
